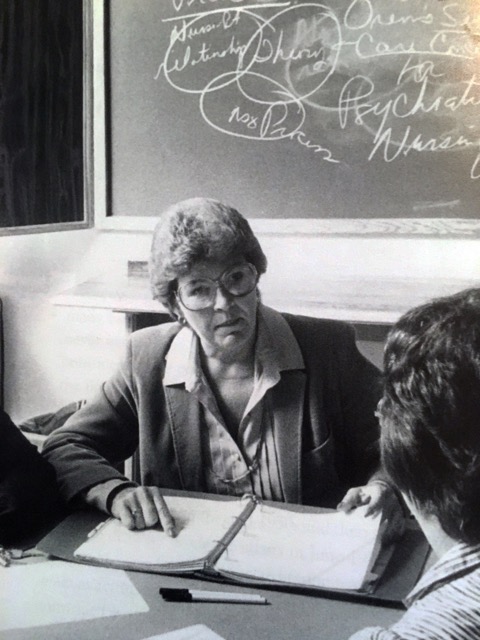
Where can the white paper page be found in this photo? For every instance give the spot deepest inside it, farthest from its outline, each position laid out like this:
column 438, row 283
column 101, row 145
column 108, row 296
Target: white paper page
column 52, row 592
column 195, row 632
column 199, row 524
column 331, row 550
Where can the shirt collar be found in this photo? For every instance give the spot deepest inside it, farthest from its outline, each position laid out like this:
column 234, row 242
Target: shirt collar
column 275, row 348
column 458, row 560
column 182, row 359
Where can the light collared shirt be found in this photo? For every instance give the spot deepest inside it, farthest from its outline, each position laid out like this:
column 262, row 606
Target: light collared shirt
column 249, row 463
column 443, row 605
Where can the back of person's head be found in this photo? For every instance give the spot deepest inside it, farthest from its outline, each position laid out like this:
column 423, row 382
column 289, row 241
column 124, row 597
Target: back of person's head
column 430, row 411
column 197, row 230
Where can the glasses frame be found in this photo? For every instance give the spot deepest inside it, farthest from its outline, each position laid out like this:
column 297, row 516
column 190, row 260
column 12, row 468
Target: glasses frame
column 218, row 282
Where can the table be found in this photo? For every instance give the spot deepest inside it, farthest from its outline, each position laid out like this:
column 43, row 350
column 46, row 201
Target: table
column 288, row 616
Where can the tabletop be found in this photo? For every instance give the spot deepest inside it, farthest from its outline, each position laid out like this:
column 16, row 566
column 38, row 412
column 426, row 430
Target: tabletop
column 286, row 616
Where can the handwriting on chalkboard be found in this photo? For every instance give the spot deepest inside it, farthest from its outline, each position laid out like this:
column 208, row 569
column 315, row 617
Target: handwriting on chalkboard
column 351, row 81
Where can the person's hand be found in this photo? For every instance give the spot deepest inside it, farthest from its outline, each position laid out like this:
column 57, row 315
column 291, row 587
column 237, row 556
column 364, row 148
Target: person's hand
column 142, row 508
column 377, row 497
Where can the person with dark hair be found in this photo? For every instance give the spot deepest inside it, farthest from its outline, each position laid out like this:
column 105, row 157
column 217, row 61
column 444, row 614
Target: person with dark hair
column 29, row 497
column 430, row 442
column 231, row 398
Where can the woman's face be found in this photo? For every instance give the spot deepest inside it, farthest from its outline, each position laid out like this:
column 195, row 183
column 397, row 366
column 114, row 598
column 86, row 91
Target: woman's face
column 226, row 329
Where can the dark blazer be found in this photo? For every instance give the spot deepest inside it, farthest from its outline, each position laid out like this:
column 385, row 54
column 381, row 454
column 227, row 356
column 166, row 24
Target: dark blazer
column 325, row 428
column 29, row 497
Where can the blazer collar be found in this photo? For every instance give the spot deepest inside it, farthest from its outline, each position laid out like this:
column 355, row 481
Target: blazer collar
column 184, row 413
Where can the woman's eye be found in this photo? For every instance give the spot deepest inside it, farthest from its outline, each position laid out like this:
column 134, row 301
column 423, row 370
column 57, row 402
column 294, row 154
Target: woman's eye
column 236, row 277
column 200, row 290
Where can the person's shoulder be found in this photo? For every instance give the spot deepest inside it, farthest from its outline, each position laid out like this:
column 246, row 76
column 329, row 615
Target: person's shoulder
column 10, row 434
column 15, row 448
column 6, row 423
column 375, row 633
column 154, row 340
column 155, row 333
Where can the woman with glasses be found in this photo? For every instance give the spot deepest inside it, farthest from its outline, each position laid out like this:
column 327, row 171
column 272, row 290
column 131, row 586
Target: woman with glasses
column 231, row 398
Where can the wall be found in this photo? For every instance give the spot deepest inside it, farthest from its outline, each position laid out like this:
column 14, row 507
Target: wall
column 56, row 354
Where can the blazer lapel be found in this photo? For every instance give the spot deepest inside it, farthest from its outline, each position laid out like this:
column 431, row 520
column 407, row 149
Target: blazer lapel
column 288, row 408
column 184, row 413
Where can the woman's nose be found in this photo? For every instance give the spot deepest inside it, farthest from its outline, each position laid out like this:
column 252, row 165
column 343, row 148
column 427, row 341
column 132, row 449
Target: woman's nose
column 222, row 298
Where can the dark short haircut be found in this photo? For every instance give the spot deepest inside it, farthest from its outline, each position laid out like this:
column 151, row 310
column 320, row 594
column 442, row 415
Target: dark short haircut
column 430, row 411
column 196, row 230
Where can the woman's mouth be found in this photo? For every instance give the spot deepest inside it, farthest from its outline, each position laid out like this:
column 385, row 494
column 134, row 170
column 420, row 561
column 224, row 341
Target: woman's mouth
column 228, row 324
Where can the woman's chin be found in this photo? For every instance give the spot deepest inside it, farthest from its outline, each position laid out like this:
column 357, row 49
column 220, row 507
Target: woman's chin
column 233, row 342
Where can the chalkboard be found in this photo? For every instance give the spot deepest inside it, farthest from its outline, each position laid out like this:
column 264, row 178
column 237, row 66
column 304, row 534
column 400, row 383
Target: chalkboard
column 42, row 114
column 334, row 109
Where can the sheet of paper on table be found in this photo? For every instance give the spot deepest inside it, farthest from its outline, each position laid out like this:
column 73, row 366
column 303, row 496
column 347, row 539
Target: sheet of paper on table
column 195, row 632
column 53, row 592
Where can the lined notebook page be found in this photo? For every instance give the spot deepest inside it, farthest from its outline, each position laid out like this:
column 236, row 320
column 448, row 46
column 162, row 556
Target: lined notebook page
column 331, row 550
column 199, row 524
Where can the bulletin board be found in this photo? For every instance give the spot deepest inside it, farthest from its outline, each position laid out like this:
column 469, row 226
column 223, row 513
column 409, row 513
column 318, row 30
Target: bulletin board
column 328, row 111
column 44, row 115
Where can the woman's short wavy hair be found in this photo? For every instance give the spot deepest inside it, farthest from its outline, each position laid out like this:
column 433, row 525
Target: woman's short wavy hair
column 195, row 230
column 430, row 411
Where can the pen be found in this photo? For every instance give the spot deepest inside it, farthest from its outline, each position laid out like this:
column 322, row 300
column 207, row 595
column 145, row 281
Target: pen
column 192, row 595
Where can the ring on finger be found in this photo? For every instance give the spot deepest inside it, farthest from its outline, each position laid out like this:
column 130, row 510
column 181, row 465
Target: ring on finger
column 135, row 512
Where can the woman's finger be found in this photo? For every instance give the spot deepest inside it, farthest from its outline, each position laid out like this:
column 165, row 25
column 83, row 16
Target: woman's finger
column 351, row 500
column 164, row 515
column 136, row 509
column 124, row 513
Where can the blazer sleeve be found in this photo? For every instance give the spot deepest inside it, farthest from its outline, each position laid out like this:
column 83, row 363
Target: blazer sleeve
column 29, row 495
column 100, row 436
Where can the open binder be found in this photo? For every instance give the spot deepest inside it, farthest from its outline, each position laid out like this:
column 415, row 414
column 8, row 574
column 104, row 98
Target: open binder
column 244, row 541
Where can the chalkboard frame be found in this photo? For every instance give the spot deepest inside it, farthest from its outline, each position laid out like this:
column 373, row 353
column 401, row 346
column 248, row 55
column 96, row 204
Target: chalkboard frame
column 105, row 217
column 87, row 221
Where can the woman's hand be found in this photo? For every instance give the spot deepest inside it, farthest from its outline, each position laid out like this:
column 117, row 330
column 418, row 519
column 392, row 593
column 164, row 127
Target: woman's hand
column 378, row 497
column 142, row 508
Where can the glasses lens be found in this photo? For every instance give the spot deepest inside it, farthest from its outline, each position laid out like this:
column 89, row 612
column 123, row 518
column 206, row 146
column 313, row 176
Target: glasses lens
column 240, row 280
column 198, row 294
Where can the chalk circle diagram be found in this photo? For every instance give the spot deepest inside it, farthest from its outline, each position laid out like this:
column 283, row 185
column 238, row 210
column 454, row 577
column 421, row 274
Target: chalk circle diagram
column 333, row 70
column 253, row 78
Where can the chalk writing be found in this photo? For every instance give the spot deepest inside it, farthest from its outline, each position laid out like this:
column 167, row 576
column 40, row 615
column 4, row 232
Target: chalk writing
column 401, row 77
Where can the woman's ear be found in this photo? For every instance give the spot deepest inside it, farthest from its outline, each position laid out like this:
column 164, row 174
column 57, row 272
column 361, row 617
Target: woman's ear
column 178, row 315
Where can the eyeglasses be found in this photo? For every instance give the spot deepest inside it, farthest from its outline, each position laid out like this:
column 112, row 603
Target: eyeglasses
column 201, row 293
